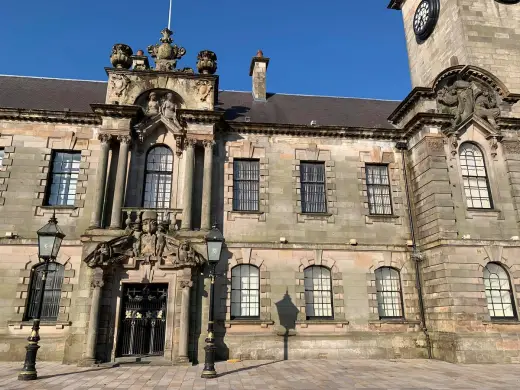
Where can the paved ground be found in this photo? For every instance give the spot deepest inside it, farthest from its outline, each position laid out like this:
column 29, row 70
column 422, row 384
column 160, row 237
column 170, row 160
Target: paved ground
column 253, row 375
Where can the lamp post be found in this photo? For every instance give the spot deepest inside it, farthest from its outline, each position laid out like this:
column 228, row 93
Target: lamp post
column 49, row 241
column 214, row 241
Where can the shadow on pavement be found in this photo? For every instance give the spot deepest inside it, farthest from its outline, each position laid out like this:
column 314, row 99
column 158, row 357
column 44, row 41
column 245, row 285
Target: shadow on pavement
column 248, row 368
column 73, row 372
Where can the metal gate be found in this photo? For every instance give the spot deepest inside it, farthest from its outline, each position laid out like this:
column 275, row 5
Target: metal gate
column 143, row 321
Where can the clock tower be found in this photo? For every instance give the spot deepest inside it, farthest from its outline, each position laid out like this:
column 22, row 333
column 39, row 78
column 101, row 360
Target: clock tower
column 443, row 33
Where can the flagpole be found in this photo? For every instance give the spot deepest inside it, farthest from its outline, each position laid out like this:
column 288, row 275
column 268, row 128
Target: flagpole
column 170, row 15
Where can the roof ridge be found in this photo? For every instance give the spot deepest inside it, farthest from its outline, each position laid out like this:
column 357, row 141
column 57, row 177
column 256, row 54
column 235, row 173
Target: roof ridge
column 52, row 78
column 323, row 96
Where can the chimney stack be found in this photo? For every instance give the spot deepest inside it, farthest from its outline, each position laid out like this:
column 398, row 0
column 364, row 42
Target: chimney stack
column 258, row 70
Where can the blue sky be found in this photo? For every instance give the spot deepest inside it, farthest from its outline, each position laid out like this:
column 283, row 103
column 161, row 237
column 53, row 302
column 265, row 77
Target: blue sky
column 328, row 47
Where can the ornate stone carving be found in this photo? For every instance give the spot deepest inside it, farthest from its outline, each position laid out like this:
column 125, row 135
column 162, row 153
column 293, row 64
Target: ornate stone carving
column 124, row 139
column 165, row 54
column 104, row 138
column 189, row 143
column 153, row 106
column 454, row 143
column 208, row 143
column 463, row 98
column 178, row 145
column 168, row 107
column 186, row 283
column 206, row 62
column 121, row 56
column 493, row 142
column 119, row 84
column 435, row 145
column 204, row 89
column 97, row 283
column 107, row 254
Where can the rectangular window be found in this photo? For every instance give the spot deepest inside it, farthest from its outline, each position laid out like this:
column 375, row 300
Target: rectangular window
column 63, row 178
column 313, row 194
column 246, row 185
column 1, row 156
column 378, row 188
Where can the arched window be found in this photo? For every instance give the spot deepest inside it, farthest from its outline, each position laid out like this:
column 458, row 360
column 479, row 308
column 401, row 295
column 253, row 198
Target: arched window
column 158, row 179
column 318, row 292
column 389, row 298
column 498, row 292
column 474, row 177
column 51, row 295
column 245, row 291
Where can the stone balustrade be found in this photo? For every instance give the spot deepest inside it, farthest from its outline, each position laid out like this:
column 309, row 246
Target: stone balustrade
column 133, row 215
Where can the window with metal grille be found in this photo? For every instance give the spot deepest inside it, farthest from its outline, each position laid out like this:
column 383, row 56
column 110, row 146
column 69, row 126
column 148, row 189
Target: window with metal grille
column 318, row 292
column 378, row 189
column 499, row 294
column 313, row 193
column 1, row 156
column 389, row 298
column 474, row 177
column 246, row 185
column 51, row 295
column 245, row 291
column 158, row 178
column 63, row 178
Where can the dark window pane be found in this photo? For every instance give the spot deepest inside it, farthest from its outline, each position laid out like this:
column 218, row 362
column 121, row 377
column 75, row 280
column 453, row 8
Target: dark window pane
column 388, row 287
column 474, row 177
column 318, row 292
column 51, row 295
column 498, row 292
column 378, row 190
column 246, row 185
column 313, row 193
column 1, row 156
column 158, row 178
column 245, row 291
column 63, row 178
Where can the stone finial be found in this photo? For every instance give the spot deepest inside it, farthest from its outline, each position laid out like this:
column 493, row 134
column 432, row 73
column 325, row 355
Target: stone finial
column 165, row 54
column 207, row 62
column 259, row 54
column 121, row 56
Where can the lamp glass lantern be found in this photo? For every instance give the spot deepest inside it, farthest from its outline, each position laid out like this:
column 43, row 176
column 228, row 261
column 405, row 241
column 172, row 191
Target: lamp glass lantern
column 214, row 241
column 49, row 240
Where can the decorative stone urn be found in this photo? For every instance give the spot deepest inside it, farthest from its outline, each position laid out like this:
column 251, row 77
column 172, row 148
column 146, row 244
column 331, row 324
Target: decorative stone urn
column 121, row 56
column 207, row 62
column 165, row 54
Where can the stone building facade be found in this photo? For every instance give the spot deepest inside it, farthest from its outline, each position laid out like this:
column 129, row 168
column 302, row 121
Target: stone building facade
column 354, row 228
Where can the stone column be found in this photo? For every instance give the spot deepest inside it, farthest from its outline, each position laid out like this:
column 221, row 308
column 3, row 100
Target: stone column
column 119, row 194
column 189, row 155
column 205, row 223
column 90, row 350
column 184, row 321
column 101, row 178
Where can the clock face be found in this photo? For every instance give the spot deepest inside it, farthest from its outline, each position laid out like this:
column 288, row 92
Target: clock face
column 425, row 18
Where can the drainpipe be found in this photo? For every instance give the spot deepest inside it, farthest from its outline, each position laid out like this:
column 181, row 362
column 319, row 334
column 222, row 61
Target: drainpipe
column 416, row 255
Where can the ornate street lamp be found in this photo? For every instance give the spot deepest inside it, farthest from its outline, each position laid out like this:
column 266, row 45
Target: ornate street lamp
column 214, row 241
column 49, row 241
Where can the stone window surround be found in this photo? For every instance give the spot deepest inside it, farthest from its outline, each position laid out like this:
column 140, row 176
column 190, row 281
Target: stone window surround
column 382, row 157
column 68, row 143
column 313, row 154
column 22, row 294
column 247, row 150
column 5, row 169
column 245, row 256
column 398, row 263
column 338, row 303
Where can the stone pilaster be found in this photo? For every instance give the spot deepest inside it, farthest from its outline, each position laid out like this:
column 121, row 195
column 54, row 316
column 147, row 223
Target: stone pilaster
column 184, row 321
column 119, row 194
column 189, row 155
column 206, row 185
column 101, row 178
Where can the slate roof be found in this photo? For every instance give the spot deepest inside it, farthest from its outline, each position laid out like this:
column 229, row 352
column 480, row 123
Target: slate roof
column 77, row 95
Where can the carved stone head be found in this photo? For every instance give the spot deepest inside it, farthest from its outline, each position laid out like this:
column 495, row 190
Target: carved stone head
column 150, row 222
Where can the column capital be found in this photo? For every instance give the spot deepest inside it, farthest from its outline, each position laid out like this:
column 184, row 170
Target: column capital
column 97, row 283
column 104, row 138
column 190, row 143
column 186, row 284
column 208, row 143
column 124, row 139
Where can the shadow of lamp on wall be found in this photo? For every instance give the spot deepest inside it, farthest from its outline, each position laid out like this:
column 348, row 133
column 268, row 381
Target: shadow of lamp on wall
column 287, row 314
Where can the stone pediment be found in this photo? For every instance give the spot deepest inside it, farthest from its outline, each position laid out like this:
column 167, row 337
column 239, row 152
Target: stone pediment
column 150, row 124
column 147, row 241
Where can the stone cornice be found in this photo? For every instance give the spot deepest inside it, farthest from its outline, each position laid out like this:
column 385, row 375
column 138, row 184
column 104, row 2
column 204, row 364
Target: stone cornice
column 200, row 116
column 508, row 123
column 116, row 110
column 49, row 116
column 426, row 118
column 403, row 108
column 155, row 73
column 313, row 131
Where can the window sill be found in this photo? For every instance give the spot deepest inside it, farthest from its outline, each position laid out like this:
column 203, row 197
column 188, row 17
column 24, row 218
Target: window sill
column 397, row 321
column 302, row 217
column 22, row 324
column 258, row 215
column 246, row 212
column 493, row 213
column 338, row 323
column 262, row 323
column 385, row 218
column 502, row 322
column 47, row 207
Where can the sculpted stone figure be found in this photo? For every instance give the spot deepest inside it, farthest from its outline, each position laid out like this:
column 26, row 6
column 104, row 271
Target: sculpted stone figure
column 101, row 255
column 168, row 107
column 486, row 107
column 149, row 236
column 153, row 106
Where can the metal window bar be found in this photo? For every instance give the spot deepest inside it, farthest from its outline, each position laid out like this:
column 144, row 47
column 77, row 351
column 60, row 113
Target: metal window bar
column 158, row 178
column 389, row 297
column 313, row 192
column 474, row 177
column 63, row 178
column 318, row 292
column 51, row 295
column 246, row 185
column 245, row 292
column 498, row 292
column 378, row 190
